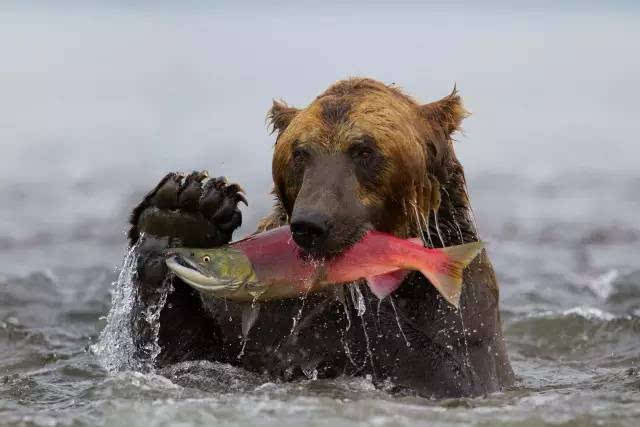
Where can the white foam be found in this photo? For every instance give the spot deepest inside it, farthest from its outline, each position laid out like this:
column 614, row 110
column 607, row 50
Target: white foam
column 589, row 313
column 603, row 285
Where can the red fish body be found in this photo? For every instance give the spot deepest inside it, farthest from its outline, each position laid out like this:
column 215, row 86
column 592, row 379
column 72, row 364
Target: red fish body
column 275, row 257
column 382, row 259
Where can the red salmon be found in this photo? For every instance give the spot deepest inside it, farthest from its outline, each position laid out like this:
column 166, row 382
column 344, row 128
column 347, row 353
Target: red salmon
column 269, row 266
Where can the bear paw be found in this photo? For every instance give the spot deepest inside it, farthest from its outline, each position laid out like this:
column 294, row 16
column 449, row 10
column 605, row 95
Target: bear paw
column 192, row 210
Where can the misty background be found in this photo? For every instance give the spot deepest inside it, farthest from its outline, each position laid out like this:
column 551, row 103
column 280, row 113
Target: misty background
column 99, row 100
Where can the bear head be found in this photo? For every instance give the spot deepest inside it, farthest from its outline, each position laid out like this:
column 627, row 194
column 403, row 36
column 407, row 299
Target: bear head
column 363, row 155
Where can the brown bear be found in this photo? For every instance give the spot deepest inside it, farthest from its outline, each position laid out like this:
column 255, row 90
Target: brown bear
column 363, row 155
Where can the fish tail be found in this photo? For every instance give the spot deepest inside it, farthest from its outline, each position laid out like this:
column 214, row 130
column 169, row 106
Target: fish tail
column 446, row 274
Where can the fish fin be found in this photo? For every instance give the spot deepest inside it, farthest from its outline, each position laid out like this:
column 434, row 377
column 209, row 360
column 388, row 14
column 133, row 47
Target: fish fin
column 447, row 277
column 250, row 314
column 384, row 284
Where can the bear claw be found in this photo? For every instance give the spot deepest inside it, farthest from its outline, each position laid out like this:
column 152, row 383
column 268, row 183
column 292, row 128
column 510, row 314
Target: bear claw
column 193, row 209
column 190, row 190
column 166, row 195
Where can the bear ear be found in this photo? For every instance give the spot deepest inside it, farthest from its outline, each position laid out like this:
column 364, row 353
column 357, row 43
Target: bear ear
column 447, row 113
column 280, row 115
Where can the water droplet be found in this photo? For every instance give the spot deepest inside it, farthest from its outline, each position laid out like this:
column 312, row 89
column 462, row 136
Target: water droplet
column 357, row 298
column 398, row 321
column 115, row 347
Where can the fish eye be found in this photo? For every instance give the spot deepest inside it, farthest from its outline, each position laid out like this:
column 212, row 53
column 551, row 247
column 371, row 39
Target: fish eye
column 206, row 258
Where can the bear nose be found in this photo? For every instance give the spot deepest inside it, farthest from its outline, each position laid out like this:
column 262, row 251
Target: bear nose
column 310, row 231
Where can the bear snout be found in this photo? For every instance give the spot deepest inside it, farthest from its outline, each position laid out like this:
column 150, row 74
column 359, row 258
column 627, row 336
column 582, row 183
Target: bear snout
column 310, row 230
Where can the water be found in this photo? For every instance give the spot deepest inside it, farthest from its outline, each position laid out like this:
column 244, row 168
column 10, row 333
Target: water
column 550, row 155
column 570, row 306
column 115, row 347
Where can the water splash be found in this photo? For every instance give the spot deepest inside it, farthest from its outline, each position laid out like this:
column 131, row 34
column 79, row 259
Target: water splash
column 435, row 220
column 422, row 225
column 425, row 219
column 455, row 221
column 357, row 298
column 453, row 214
column 308, row 283
column 591, row 313
column 152, row 317
column 347, row 351
column 115, row 347
column 310, row 369
column 244, row 346
column 398, row 321
column 603, row 285
column 250, row 315
column 296, row 319
column 358, row 301
column 419, row 227
column 472, row 216
column 368, row 342
column 467, row 363
column 340, row 296
column 298, row 316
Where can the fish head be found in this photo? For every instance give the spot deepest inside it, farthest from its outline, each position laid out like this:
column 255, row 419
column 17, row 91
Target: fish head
column 216, row 271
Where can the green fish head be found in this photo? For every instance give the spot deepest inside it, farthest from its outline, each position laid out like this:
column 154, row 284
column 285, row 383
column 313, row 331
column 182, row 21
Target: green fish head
column 217, row 271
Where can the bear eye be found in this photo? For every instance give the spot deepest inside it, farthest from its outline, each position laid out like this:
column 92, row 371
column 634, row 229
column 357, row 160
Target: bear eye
column 362, row 154
column 299, row 156
column 206, row 258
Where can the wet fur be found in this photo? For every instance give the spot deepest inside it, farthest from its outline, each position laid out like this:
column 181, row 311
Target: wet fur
column 426, row 196
column 427, row 190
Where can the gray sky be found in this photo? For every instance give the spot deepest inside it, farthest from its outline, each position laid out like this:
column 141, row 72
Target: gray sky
column 90, row 90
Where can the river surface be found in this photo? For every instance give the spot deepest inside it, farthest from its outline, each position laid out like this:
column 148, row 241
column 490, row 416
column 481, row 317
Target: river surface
column 99, row 102
column 565, row 251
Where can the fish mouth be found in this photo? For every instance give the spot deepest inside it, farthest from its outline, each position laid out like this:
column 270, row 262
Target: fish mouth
column 191, row 273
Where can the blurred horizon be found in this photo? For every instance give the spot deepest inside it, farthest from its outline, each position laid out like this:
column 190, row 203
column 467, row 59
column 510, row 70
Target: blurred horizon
column 554, row 80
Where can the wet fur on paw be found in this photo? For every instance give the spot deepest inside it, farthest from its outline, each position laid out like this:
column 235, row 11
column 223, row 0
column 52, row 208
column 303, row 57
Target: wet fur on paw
column 191, row 210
